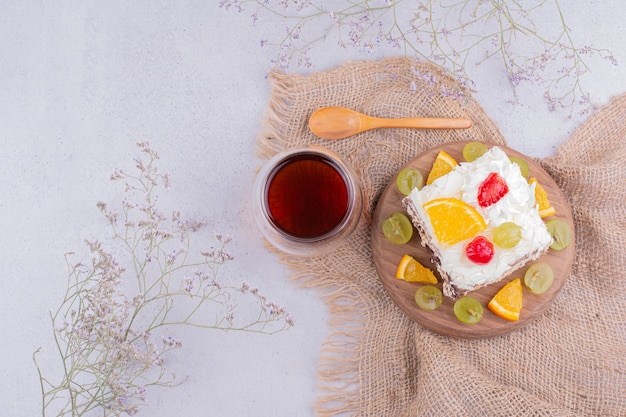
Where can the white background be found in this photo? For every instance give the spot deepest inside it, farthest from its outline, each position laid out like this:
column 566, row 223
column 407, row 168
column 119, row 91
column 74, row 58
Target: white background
column 82, row 81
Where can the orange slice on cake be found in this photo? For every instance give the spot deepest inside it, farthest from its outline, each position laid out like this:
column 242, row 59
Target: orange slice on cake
column 411, row 270
column 507, row 303
column 541, row 197
column 443, row 164
column 453, row 220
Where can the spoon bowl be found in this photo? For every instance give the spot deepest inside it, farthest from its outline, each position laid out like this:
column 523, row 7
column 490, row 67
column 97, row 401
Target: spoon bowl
column 340, row 123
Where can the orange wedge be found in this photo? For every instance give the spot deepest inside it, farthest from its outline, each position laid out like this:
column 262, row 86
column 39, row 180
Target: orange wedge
column 454, row 220
column 507, row 303
column 411, row 270
column 443, row 164
column 541, row 197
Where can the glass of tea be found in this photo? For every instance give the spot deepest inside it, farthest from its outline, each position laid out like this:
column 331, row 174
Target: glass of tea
column 306, row 200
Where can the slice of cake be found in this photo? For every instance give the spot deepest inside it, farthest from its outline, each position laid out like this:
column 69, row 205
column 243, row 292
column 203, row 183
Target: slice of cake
column 457, row 217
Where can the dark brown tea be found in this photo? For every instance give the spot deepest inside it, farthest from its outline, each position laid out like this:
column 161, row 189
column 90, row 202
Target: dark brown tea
column 307, row 196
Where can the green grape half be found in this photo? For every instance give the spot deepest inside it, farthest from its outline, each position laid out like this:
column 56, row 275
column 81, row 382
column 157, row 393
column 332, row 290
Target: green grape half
column 523, row 165
column 397, row 228
column 474, row 150
column 561, row 233
column 408, row 179
column 507, row 235
column 468, row 310
column 428, row 297
column 539, row 277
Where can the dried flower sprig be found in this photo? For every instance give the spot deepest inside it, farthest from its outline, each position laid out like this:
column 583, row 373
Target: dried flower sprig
column 113, row 334
column 458, row 35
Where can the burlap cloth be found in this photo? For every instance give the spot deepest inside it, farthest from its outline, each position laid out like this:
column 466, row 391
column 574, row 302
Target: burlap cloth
column 570, row 361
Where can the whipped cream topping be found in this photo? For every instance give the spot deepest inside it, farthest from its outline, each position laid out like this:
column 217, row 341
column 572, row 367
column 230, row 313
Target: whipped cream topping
column 517, row 206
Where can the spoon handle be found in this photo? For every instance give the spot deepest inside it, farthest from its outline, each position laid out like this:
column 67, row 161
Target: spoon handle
column 417, row 122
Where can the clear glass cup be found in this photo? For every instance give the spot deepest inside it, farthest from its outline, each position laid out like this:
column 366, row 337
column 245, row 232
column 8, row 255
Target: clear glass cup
column 307, row 200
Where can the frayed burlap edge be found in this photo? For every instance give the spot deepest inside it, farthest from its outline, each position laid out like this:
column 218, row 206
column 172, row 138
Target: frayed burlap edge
column 338, row 369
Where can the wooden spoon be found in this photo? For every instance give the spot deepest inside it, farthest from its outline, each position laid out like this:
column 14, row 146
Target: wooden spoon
column 339, row 123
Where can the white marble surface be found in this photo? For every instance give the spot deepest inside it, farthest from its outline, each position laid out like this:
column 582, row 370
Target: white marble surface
column 82, row 81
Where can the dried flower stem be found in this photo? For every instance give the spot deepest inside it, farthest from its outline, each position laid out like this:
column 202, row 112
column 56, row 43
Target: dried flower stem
column 456, row 34
column 109, row 342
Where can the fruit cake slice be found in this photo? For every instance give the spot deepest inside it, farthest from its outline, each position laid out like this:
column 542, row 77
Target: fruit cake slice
column 480, row 221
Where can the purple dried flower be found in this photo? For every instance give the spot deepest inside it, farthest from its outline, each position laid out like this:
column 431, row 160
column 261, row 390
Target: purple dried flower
column 106, row 335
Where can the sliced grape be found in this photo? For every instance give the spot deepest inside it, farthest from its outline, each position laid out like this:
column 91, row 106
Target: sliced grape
column 468, row 310
column 397, row 228
column 523, row 165
column 428, row 297
column 561, row 233
column 507, row 235
column 409, row 179
column 474, row 150
column 539, row 277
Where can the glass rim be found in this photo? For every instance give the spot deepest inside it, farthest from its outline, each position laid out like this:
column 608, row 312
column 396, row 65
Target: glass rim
column 302, row 245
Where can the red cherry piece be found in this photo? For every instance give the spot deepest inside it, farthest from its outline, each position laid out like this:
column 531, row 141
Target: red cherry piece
column 492, row 189
column 479, row 250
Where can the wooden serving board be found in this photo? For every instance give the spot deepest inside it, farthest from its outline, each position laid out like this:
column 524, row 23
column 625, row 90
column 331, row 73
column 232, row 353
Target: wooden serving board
column 442, row 320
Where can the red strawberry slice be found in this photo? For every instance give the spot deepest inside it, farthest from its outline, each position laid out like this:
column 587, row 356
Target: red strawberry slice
column 480, row 250
column 492, row 189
